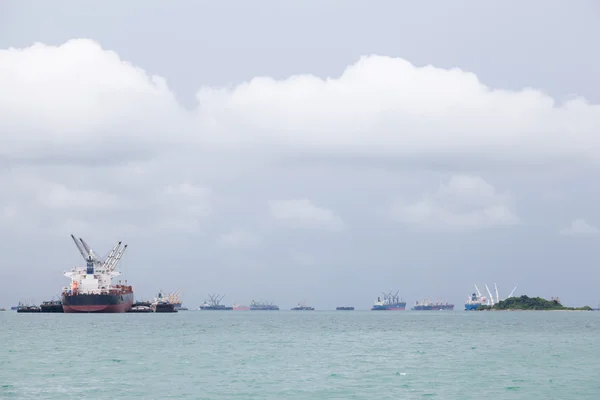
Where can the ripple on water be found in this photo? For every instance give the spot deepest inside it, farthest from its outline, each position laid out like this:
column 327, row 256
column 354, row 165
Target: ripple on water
column 283, row 355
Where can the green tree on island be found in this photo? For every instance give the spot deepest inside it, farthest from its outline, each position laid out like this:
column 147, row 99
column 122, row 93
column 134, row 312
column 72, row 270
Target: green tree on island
column 530, row 303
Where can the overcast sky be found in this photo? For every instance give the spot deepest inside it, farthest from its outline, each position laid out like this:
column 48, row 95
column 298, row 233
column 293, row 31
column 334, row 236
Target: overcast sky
column 318, row 150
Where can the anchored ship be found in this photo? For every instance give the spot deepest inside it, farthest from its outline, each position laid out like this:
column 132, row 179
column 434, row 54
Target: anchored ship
column 427, row 305
column 263, row 306
column 237, row 307
column 391, row 302
column 302, row 307
column 91, row 289
column 476, row 299
column 162, row 304
column 173, row 298
column 214, row 304
column 345, row 308
column 53, row 306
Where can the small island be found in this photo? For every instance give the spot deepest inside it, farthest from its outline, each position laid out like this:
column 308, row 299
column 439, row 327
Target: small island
column 531, row 304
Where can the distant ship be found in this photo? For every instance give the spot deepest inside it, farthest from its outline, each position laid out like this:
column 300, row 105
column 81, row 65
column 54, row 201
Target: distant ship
column 344, row 308
column 91, row 289
column 28, row 309
column 427, row 305
column 237, row 307
column 162, row 304
column 476, row 300
column 54, row 306
column 302, row 307
column 391, row 302
column 214, row 304
column 263, row 306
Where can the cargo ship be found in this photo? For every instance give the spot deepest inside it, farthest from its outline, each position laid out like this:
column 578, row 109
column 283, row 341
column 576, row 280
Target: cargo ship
column 427, row 305
column 344, row 308
column 162, row 304
column 476, row 299
column 53, row 306
column 91, row 289
column 390, row 302
column 28, row 309
column 237, row 307
column 214, row 304
column 263, row 306
column 302, row 307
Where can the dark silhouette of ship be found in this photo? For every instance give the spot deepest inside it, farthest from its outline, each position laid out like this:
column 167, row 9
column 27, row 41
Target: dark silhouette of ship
column 390, row 302
column 214, row 304
column 302, row 307
column 53, row 306
column 427, row 305
column 263, row 306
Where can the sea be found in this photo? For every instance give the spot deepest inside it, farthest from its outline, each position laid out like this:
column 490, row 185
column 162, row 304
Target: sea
column 301, row 355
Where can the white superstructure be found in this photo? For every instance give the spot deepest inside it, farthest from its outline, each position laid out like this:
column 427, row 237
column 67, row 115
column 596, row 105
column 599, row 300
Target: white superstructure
column 96, row 277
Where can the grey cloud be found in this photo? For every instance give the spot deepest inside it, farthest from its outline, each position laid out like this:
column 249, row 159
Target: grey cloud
column 83, row 126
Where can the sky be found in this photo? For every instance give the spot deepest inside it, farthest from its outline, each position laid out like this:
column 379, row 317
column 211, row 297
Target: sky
column 302, row 151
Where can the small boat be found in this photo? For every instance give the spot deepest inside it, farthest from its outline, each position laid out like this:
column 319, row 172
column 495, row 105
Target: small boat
column 141, row 309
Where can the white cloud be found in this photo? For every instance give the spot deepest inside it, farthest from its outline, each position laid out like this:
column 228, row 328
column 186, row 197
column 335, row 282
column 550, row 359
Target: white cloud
column 79, row 102
column 465, row 202
column 99, row 133
column 240, row 238
column 580, row 227
column 304, row 214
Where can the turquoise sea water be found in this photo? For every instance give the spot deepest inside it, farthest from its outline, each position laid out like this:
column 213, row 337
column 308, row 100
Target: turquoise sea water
column 301, row 355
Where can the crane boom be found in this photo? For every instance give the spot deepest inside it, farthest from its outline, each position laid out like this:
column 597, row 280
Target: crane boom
column 111, row 255
column 497, row 295
column 80, row 248
column 114, row 263
column 490, row 293
column 90, row 251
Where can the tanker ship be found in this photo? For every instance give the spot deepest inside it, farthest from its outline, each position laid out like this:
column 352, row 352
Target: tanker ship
column 91, row 289
column 427, row 305
column 214, row 304
column 263, row 306
column 390, row 302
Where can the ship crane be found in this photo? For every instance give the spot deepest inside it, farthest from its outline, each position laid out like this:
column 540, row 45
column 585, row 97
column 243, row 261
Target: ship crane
column 513, row 291
column 477, row 290
column 89, row 250
column 113, row 264
column 215, row 299
column 490, row 293
column 87, row 253
column 111, row 256
column 497, row 295
column 84, row 254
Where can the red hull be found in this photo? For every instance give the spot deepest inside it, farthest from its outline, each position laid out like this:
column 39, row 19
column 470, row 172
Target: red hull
column 116, row 308
column 97, row 303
